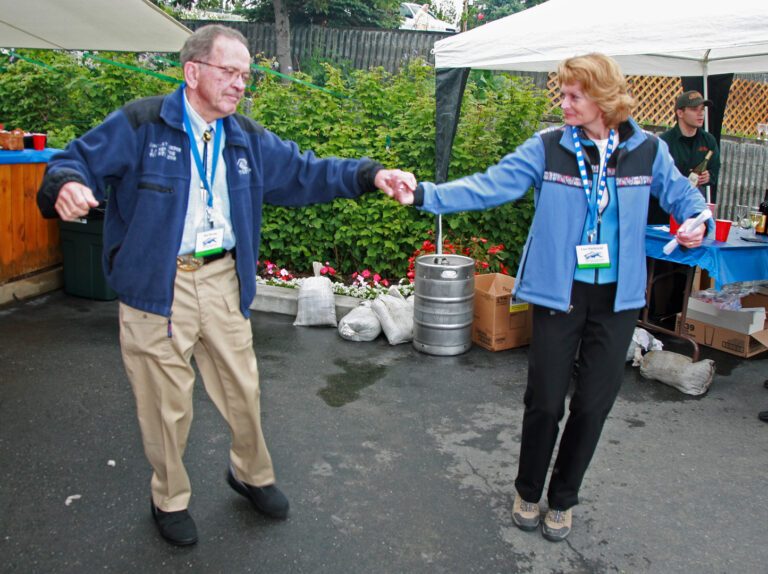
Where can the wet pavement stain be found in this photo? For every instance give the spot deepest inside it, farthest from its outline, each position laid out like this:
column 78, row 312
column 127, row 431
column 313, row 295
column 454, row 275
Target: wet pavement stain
column 634, row 423
column 345, row 387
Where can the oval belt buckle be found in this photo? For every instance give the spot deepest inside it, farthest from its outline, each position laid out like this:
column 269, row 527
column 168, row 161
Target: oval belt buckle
column 189, row 262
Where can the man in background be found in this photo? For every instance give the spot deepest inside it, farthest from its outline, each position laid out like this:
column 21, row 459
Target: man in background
column 689, row 143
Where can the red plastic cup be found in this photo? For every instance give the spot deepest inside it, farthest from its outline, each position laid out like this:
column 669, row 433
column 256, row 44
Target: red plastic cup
column 673, row 225
column 38, row 141
column 722, row 228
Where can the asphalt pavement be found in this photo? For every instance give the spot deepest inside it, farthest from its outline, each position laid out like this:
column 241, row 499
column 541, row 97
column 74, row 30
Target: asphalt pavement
column 394, row 461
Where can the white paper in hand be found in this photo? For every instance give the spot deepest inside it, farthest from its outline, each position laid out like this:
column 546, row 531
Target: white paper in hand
column 685, row 226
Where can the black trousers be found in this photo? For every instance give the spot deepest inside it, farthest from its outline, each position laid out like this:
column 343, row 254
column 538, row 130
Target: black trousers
column 601, row 338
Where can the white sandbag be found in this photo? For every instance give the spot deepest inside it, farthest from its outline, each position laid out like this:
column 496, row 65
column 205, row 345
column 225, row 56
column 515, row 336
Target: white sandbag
column 316, row 304
column 642, row 341
column 678, row 371
column 360, row 324
column 395, row 315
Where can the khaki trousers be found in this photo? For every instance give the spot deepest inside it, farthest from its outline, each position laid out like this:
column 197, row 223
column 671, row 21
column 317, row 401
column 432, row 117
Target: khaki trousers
column 205, row 322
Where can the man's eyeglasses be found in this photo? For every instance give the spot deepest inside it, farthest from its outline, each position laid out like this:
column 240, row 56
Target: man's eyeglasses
column 229, row 73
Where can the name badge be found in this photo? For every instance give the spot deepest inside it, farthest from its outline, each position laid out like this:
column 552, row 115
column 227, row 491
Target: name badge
column 593, row 256
column 209, row 242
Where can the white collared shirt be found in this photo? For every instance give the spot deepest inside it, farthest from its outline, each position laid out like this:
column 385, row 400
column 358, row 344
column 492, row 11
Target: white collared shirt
column 196, row 219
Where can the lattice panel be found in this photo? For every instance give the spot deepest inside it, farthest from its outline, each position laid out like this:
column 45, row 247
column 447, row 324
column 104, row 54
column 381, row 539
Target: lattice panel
column 655, row 96
column 747, row 102
column 747, row 106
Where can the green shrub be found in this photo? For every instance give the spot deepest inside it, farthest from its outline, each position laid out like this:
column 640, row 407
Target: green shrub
column 391, row 118
column 64, row 94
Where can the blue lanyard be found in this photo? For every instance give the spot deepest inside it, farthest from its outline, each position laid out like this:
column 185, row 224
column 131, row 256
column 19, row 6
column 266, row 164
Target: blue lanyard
column 198, row 159
column 592, row 207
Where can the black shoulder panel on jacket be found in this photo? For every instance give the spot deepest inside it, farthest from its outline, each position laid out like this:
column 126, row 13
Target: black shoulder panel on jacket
column 143, row 111
column 248, row 125
column 640, row 160
column 557, row 158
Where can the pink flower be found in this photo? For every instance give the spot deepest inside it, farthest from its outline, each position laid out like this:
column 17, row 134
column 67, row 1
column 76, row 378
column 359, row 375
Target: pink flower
column 366, row 273
column 376, row 277
column 480, row 16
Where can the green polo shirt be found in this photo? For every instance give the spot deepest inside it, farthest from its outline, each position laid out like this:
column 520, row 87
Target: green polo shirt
column 689, row 151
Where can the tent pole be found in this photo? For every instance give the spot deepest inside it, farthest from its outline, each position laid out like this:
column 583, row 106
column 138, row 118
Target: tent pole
column 449, row 91
column 705, row 69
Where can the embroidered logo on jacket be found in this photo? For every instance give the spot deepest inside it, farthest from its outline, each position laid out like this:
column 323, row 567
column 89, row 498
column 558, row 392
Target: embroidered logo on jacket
column 164, row 149
column 242, row 166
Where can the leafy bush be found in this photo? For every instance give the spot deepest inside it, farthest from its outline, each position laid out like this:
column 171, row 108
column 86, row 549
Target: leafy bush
column 391, row 118
column 66, row 93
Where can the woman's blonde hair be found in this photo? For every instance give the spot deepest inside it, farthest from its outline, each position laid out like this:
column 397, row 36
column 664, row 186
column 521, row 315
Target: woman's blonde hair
column 602, row 82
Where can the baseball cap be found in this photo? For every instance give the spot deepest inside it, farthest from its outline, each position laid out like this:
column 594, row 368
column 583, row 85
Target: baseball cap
column 691, row 99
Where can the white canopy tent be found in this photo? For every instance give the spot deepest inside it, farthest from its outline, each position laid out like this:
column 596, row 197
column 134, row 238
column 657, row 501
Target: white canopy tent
column 654, row 37
column 115, row 25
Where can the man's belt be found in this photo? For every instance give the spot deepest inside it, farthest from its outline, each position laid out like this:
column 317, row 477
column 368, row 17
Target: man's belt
column 188, row 261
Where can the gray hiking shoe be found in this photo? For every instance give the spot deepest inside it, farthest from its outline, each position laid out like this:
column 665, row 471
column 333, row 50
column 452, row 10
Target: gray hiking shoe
column 526, row 515
column 557, row 525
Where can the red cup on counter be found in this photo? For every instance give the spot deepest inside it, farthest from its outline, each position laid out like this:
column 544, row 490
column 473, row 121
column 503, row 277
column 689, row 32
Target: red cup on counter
column 722, row 229
column 38, row 141
column 673, row 225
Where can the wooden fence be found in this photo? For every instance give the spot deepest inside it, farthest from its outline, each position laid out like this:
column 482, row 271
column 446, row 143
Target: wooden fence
column 360, row 48
column 743, row 175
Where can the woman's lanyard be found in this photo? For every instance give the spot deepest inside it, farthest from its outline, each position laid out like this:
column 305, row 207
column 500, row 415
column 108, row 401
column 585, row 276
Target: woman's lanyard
column 199, row 162
column 592, row 207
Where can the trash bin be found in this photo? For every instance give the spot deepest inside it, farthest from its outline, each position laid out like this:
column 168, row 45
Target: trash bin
column 81, row 246
column 443, row 306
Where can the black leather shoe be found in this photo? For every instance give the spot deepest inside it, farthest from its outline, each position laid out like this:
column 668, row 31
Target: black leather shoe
column 763, row 416
column 176, row 527
column 267, row 499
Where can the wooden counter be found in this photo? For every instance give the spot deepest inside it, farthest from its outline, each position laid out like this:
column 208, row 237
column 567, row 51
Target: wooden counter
column 28, row 242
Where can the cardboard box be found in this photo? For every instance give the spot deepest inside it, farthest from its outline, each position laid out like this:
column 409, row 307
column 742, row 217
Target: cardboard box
column 500, row 322
column 740, row 344
column 750, row 319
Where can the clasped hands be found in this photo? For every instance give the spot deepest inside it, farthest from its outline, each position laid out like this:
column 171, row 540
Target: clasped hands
column 397, row 184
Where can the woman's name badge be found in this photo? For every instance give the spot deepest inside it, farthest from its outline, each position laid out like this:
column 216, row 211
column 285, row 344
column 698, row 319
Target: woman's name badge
column 593, row 256
column 209, row 242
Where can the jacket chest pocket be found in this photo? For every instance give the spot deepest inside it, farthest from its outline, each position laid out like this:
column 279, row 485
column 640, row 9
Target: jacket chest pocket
column 160, row 188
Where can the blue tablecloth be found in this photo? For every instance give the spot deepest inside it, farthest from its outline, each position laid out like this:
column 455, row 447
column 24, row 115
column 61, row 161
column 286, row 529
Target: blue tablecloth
column 726, row 262
column 27, row 156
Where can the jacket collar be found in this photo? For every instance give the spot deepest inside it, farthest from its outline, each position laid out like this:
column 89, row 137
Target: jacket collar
column 172, row 113
column 630, row 136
